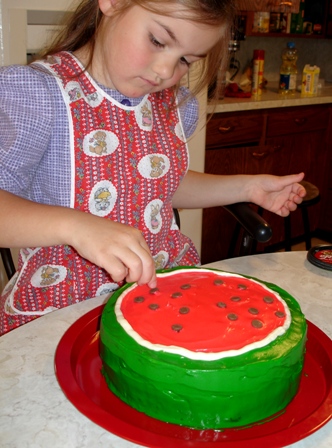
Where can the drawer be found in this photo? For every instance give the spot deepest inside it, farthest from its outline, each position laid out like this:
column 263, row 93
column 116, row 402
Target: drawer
column 226, row 130
column 297, row 121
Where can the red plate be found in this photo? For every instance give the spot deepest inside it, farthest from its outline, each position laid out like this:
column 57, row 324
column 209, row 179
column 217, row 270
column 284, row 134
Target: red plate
column 77, row 366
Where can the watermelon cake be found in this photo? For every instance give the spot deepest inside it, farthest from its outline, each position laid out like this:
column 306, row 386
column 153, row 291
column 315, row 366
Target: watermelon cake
column 206, row 349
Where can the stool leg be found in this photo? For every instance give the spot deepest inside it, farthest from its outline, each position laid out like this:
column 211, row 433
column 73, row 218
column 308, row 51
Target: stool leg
column 288, row 236
column 306, row 225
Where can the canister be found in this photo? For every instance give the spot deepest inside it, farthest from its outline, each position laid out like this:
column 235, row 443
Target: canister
column 257, row 72
column 310, row 78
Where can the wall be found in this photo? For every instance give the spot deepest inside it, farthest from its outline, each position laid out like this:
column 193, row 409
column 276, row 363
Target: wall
column 13, row 20
column 311, row 51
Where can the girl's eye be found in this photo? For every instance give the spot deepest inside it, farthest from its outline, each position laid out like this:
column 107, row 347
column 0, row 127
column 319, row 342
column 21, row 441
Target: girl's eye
column 184, row 61
column 155, row 42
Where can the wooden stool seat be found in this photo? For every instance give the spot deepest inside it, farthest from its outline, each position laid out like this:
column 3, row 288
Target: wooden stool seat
column 311, row 198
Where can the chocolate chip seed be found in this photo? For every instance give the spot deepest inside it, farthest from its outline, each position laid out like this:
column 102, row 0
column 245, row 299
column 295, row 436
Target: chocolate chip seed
column 221, row 305
column 184, row 310
column 279, row 314
column 154, row 290
column 177, row 327
column 253, row 311
column 185, row 286
column 235, row 299
column 175, row 295
column 218, row 282
column 240, row 286
column 257, row 323
column 139, row 299
column 232, row 316
column 153, row 306
column 268, row 299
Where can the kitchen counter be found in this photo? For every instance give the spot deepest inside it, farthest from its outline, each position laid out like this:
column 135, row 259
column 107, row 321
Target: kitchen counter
column 270, row 98
column 34, row 412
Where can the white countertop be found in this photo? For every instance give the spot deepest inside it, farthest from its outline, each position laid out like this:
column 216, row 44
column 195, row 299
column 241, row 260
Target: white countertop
column 34, row 412
column 270, row 98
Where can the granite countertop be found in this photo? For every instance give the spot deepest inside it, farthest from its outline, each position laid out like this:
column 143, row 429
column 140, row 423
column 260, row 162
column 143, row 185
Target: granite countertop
column 34, row 411
column 270, row 98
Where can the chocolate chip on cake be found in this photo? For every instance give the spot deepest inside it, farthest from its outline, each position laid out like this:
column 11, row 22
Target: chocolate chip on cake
column 257, row 323
column 154, row 290
column 175, row 295
column 218, row 281
column 184, row 310
column 153, row 306
column 221, row 305
column 253, row 311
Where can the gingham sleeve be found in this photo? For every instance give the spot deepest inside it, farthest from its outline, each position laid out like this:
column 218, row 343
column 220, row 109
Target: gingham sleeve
column 26, row 118
column 189, row 110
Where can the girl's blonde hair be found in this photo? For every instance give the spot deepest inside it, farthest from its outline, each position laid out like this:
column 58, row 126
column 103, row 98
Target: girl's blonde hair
column 83, row 24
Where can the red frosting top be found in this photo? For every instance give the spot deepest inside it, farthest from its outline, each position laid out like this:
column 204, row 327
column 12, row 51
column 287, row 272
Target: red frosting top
column 203, row 311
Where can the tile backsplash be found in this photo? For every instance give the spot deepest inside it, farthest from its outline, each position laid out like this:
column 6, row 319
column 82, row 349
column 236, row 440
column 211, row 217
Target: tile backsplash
column 310, row 51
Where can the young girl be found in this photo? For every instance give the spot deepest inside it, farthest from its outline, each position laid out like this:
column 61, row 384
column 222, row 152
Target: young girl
column 93, row 154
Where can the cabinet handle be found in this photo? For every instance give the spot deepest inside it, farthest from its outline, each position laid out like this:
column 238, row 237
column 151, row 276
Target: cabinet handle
column 224, row 129
column 260, row 155
column 270, row 150
column 300, row 121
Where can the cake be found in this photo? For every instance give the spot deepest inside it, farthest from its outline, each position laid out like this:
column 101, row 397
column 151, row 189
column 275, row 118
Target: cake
column 206, row 349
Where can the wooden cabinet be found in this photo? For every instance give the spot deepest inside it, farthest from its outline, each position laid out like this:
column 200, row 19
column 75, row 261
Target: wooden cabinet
column 276, row 141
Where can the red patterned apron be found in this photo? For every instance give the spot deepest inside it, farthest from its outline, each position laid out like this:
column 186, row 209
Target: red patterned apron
column 127, row 163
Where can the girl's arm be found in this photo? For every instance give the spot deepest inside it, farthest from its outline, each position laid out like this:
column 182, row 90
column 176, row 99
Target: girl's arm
column 120, row 249
column 280, row 195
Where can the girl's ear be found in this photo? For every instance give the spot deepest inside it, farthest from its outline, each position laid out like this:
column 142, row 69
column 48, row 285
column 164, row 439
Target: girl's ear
column 107, row 6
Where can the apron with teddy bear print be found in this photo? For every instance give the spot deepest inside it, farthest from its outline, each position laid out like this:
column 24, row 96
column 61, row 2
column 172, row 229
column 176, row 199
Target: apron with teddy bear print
column 127, row 162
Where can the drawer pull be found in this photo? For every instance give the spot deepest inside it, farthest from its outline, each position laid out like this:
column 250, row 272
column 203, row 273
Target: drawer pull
column 260, row 155
column 300, row 121
column 224, row 129
column 267, row 152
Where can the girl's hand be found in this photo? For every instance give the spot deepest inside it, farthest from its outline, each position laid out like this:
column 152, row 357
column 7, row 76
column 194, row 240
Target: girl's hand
column 118, row 248
column 278, row 194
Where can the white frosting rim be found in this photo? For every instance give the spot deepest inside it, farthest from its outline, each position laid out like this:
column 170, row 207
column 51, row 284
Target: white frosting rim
column 203, row 356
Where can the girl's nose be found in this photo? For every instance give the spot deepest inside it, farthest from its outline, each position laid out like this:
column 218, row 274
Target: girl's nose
column 164, row 68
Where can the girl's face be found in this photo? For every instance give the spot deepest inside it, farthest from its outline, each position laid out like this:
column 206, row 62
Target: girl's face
column 141, row 52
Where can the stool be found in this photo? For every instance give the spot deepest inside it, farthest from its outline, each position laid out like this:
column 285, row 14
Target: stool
column 311, row 198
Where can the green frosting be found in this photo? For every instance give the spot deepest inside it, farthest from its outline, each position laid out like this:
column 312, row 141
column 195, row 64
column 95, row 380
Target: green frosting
column 225, row 393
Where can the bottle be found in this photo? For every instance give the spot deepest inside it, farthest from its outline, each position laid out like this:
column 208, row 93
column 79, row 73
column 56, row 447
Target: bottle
column 257, row 72
column 261, row 23
column 288, row 70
